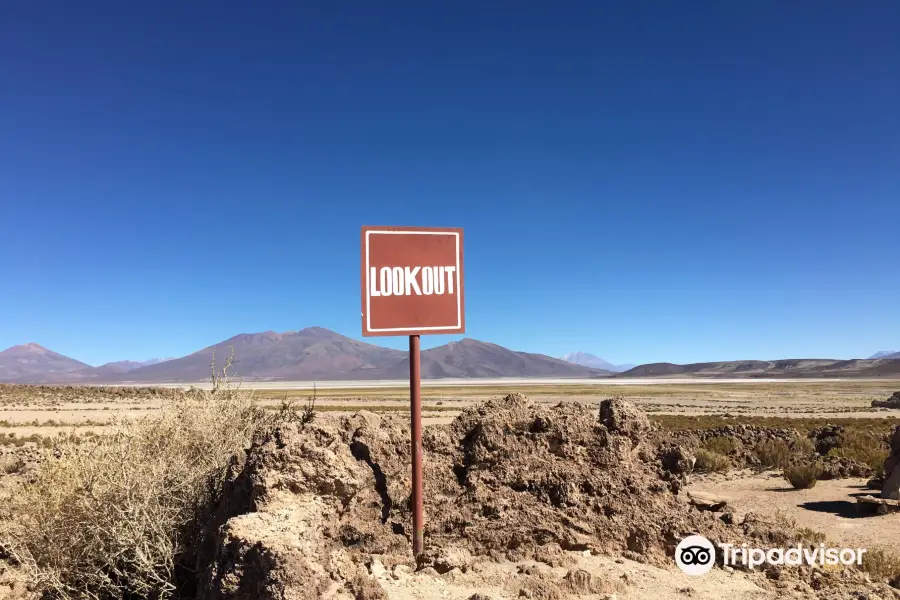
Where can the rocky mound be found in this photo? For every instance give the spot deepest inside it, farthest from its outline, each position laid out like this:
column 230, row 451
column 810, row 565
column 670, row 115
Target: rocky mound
column 892, row 402
column 891, row 487
column 316, row 509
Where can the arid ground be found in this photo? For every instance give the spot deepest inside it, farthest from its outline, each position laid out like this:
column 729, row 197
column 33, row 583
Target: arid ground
column 611, row 564
column 28, row 410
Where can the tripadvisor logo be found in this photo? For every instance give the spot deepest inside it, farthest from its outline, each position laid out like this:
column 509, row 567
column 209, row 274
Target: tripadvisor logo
column 696, row 555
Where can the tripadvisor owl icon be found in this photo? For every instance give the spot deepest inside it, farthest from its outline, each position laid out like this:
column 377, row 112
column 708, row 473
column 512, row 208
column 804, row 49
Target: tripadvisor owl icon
column 695, row 555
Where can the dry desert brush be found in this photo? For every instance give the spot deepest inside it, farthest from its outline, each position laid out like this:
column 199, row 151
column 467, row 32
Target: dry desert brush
column 112, row 517
column 803, row 476
column 711, row 462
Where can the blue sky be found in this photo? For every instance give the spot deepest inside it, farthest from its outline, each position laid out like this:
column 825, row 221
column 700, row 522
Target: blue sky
column 645, row 181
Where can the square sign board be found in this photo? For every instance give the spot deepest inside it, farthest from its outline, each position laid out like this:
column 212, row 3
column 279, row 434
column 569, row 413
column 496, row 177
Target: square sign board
column 412, row 281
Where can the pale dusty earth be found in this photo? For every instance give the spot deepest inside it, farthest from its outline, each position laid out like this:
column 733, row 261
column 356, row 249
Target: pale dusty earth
column 625, row 579
column 829, row 507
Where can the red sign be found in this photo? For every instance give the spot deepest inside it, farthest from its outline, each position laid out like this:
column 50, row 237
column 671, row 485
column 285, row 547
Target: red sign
column 412, row 281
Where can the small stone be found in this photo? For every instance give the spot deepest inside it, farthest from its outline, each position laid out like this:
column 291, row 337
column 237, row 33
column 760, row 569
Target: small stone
column 446, row 559
column 376, row 568
column 401, row 572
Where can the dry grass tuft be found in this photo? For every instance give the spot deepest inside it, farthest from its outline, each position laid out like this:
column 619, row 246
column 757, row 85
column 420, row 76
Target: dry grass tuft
column 811, row 536
column 11, row 465
column 711, row 462
column 882, row 566
column 864, row 447
column 803, row 476
column 111, row 516
column 803, row 447
column 773, row 454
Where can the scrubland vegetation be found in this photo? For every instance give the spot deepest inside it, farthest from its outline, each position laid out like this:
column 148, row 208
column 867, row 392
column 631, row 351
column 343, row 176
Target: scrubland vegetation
column 862, row 440
column 119, row 515
column 803, row 476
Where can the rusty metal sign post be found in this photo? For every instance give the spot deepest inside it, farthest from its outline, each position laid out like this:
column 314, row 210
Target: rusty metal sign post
column 412, row 284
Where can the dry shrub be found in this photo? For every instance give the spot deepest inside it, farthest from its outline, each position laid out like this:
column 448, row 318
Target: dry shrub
column 711, row 462
column 720, row 444
column 811, row 536
column 110, row 517
column 803, row 446
column 883, row 566
column 774, row 454
column 864, row 447
column 803, row 476
column 11, row 465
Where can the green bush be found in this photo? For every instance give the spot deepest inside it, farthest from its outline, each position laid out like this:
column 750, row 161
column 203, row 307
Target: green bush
column 720, row 444
column 711, row 462
column 803, row 476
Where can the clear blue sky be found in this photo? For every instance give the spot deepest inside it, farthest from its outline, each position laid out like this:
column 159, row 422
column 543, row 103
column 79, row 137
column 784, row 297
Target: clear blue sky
column 645, row 181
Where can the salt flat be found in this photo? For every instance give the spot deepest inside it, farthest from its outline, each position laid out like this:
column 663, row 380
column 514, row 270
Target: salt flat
column 488, row 382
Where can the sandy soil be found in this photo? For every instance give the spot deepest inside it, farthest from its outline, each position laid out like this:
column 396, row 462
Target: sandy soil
column 830, row 507
column 622, row 579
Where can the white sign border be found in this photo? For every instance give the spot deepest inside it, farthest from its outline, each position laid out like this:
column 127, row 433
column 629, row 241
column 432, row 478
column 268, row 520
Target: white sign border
column 447, row 328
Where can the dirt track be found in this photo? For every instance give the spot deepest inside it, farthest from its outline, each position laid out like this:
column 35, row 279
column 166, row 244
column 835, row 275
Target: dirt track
column 829, row 507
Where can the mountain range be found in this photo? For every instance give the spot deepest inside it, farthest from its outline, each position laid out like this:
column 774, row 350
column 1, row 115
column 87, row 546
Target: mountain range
column 310, row 354
column 317, row 354
column 803, row 367
column 886, row 354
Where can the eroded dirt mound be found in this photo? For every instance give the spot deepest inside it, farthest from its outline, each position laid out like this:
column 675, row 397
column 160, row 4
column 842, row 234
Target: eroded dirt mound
column 315, row 508
column 527, row 475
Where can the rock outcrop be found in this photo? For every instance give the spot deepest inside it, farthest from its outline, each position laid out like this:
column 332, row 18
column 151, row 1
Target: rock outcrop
column 891, row 488
column 892, row 402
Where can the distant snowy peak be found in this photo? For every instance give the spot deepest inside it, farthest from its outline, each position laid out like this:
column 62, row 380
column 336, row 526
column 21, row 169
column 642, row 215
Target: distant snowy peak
column 126, row 366
column 594, row 362
column 886, row 354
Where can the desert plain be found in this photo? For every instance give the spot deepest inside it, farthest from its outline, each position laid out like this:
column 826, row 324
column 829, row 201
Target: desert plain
column 32, row 416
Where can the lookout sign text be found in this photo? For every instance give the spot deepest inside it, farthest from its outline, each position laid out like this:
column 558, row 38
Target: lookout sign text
column 412, row 281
